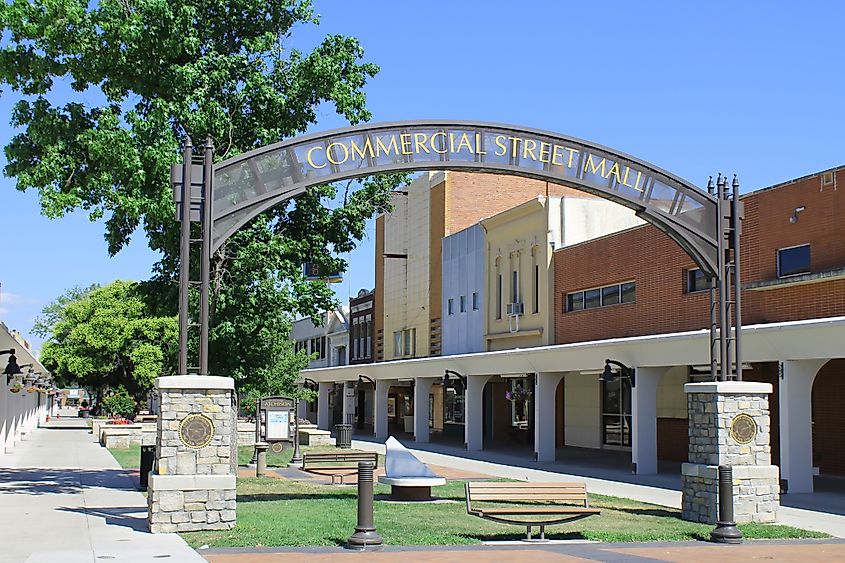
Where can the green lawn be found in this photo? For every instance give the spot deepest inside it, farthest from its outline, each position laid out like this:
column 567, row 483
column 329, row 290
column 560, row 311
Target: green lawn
column 128, row 458
column 290, row 513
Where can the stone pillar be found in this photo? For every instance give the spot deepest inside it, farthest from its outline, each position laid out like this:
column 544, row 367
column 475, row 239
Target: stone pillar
column 192, row 486
column 323, row 415
column 644, row 419
column 474, row 412
column 545, row 425
column 729, row 424
column 380, row 410
column 422, row 390
column 796, row 431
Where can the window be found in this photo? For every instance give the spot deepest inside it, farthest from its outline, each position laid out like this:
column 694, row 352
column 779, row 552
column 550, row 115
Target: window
column 575, row 301
column 450, row 306
column 397, row 344
column 601, row 297
column 629, row 292
column 610, row 295
column 499, row 296
column 794, row 261
column 463, row 303
column 515, row 287
column 475, row 301
column 696, row 280
column 592, row 298
column 318, row 346
column 404, row 343
column 827, row 179
column 616, row 412
column 535, row 308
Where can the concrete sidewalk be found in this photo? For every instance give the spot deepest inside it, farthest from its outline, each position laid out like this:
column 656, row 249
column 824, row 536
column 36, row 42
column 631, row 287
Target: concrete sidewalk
column 65, row 499
column 668, row 494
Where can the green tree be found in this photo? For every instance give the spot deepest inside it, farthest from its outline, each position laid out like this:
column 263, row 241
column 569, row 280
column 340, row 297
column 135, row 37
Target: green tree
column 119, row 402
column 106, row 337
column 146, row 73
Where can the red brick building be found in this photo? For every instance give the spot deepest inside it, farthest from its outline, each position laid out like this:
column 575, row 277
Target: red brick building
column 792, row 266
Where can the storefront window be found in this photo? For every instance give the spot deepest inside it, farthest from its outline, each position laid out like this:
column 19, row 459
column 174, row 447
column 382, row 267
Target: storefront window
column 454, row 405
column 616, row 412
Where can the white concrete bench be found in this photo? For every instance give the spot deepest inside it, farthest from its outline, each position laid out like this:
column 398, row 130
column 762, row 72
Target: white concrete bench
column 408, row 477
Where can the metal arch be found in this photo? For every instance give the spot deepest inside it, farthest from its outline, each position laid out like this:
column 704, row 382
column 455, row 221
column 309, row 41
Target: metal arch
column 253, row 182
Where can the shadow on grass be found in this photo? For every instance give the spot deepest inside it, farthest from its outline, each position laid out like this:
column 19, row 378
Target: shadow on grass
column 521, row 536
column 270, row 497
column 645, row 512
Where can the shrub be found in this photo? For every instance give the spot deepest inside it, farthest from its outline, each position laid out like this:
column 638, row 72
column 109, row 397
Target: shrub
column 119, row 402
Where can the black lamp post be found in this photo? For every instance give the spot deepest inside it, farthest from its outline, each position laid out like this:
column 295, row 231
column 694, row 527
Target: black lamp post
column 624, row 371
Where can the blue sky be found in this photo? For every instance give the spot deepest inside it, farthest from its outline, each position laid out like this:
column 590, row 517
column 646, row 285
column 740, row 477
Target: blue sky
column 751, row 88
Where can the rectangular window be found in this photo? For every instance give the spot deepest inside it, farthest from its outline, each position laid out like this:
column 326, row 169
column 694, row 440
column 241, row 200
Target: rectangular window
column 609, row 295
column 616, row 412
column 397, row 344
column 794, row 261
column 592, row 298
column 535, row 307
column 463, row 303
column 450, row 304
column 629, row 292
column 475, row 301
column 409, row 344
column 575, row 301
column 696, row 280
column 515, row 287
column 499, row 296
column 322, row 347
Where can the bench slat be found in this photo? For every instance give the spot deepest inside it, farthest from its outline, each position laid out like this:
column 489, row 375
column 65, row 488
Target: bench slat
column 540, row 496
column 544, row 510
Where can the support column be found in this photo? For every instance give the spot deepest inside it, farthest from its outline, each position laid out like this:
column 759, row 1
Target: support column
column 545, row 426
column 4, row 413
column 380, row 408
column 323, row 390
column 644, row 419
column 796, row 430
column 422, row 390
column 474, row 412
column 192, row 485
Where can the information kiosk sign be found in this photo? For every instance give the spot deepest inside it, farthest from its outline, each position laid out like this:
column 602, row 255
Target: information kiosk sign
column 276, row 421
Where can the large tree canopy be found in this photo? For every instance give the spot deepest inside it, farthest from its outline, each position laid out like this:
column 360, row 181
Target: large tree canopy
column 106, row 337
column 143, row 74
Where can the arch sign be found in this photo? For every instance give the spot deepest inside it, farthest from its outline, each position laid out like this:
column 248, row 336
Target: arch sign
column 705, row 223
column 253, row 182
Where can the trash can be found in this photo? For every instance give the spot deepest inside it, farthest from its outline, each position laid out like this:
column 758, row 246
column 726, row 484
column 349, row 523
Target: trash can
column 343, row 435
column 148, row 456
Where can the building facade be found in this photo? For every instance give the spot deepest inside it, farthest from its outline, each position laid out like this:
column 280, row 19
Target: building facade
column 361, row 313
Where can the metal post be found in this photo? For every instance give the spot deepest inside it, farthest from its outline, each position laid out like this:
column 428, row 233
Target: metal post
column 365, row 536
column 205, row 256
column 261, row 463
column 736, row 217
column 184, row 256
column 723, row 320
column 254, row 460
column 296, row 459
column 726, row 530
column 714, row 352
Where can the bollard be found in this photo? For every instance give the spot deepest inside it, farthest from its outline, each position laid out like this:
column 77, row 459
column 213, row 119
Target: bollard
column 726, row 530
column 365, row 536
column 261, row 462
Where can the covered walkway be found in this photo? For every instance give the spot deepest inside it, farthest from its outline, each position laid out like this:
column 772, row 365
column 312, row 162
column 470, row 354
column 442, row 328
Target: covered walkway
column 64, row 498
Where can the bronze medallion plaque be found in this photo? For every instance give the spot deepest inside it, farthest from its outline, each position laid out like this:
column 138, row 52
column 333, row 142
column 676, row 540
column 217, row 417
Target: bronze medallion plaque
column 277, row 447
column 743, row 429
column 196, row 431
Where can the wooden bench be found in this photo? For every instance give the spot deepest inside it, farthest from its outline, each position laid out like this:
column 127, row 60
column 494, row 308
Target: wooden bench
column 529, row 504
column 339, row 464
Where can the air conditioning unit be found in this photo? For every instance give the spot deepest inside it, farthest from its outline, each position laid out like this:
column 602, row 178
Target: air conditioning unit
column 515, row 309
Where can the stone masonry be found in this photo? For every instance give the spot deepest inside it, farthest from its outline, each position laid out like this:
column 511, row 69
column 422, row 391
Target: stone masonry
column 712, row 409
column 193, row 488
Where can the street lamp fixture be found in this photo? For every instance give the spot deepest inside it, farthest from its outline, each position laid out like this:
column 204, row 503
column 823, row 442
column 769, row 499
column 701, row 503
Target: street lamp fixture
column 446, row 378
column 310, row 383
column 609, row 375
column 12, row 368
column 362, row 378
